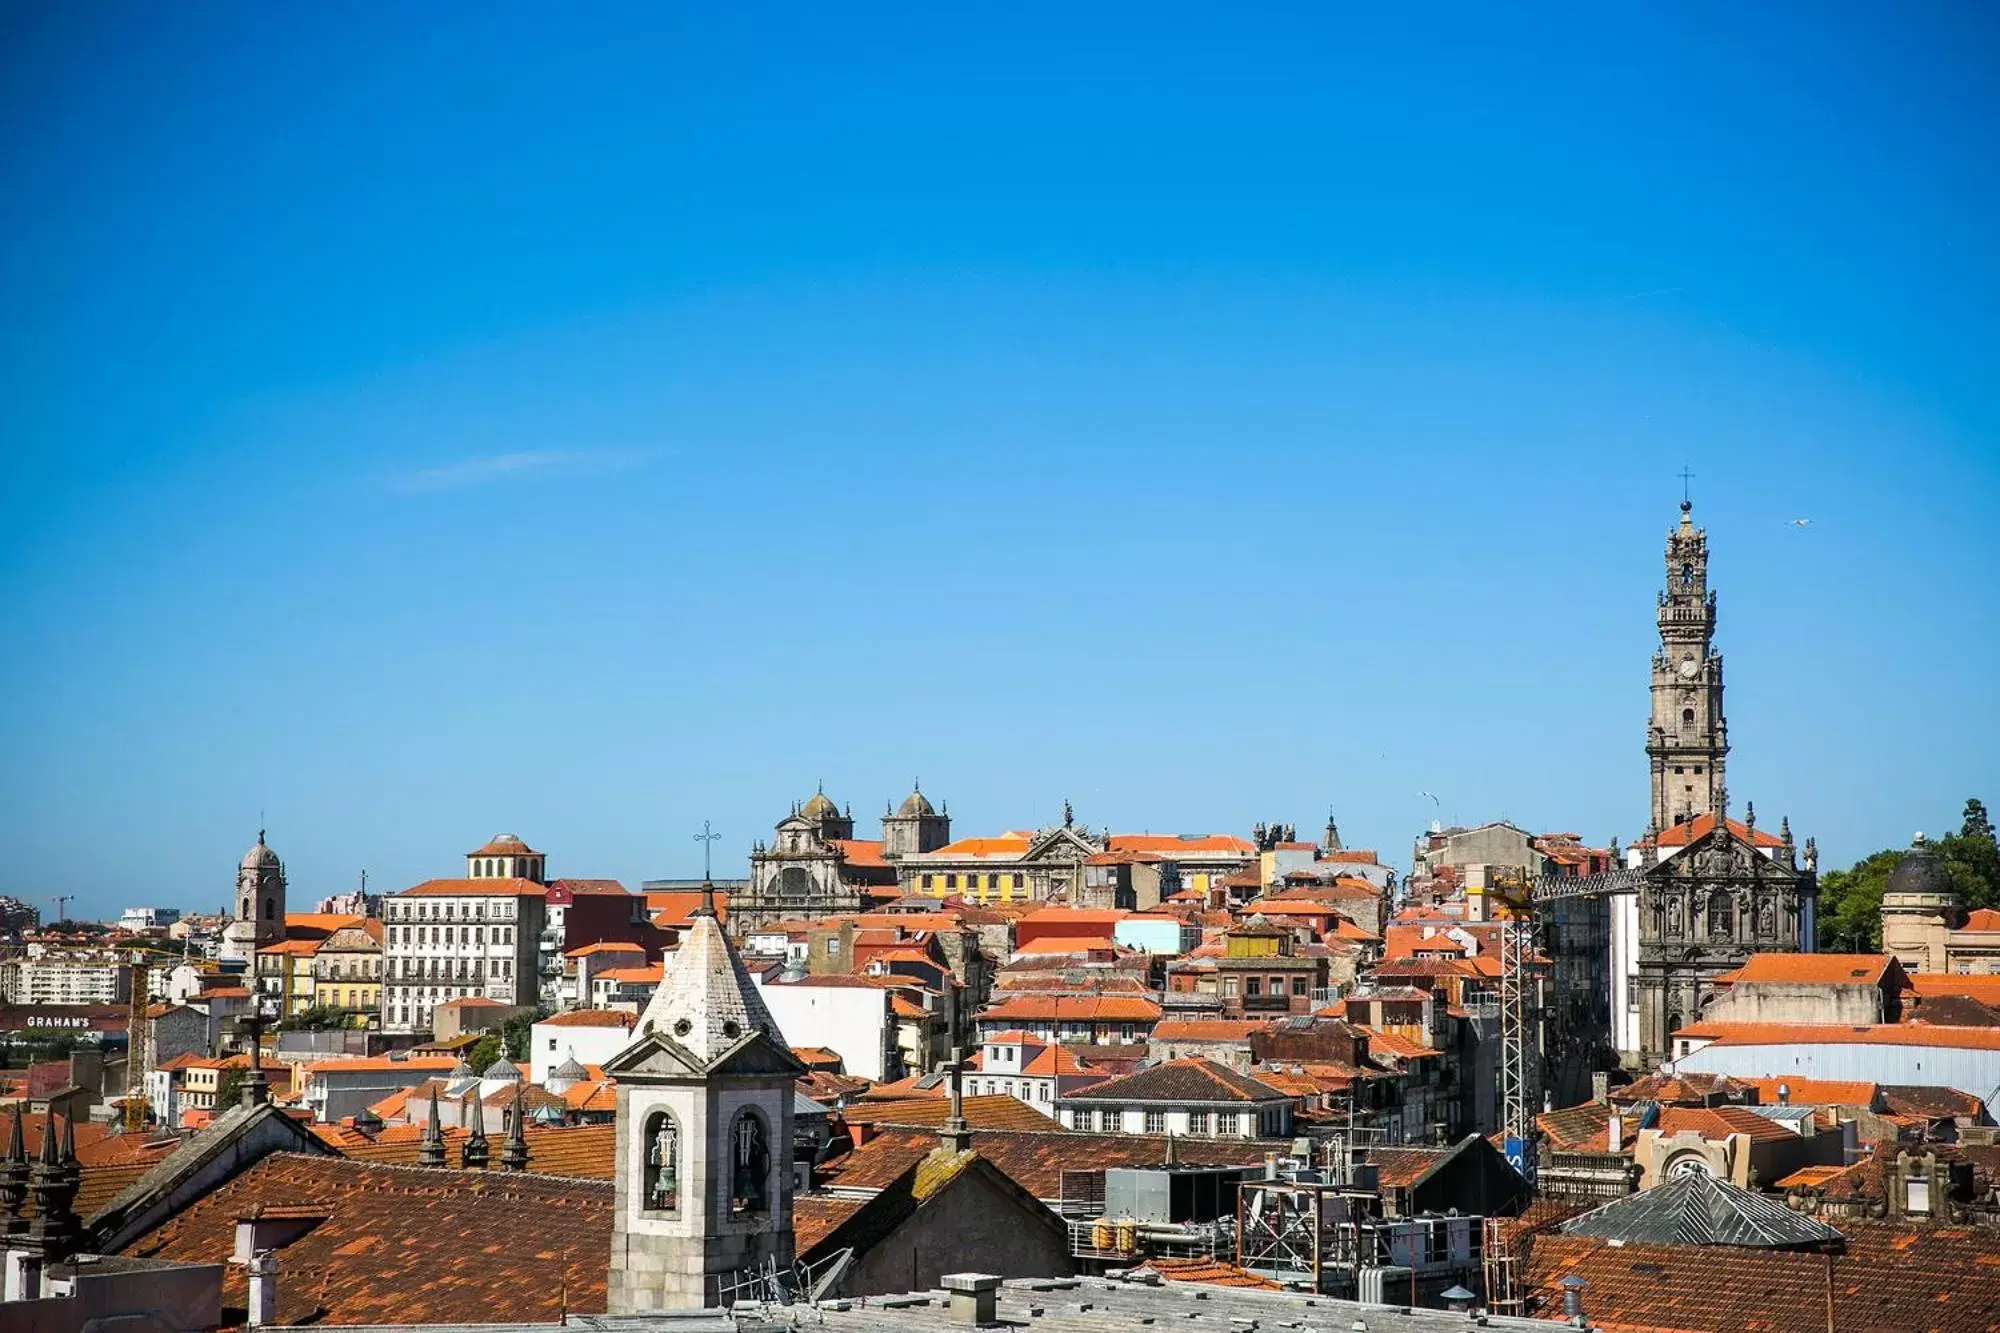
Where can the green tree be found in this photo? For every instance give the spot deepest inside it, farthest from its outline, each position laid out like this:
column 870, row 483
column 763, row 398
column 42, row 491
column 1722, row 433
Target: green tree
column 515, row 1032
column 1977, row 826
column 229, row 1088
column 484, row 1052
column 318, row 1018
column 1850, row 904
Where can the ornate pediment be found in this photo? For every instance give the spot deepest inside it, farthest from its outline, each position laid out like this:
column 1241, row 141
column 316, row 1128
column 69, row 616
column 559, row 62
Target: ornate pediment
column 1065, row 842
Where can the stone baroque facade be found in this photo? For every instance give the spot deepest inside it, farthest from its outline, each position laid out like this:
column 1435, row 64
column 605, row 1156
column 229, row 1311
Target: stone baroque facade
column 815, row 867
column 260, row 904
column 1705, row 910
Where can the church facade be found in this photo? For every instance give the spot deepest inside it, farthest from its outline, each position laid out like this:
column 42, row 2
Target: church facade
column 1713, row 890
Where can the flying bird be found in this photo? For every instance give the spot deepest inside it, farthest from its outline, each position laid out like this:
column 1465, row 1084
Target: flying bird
column 1800, row 522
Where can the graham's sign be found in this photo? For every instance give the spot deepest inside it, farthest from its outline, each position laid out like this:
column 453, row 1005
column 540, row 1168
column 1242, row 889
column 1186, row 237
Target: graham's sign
column 54, row 1019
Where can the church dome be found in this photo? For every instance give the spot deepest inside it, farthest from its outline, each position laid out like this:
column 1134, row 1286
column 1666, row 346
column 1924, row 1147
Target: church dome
column 503, row 1068
column 916, row 803
column 819, row 807
column 260, row 856
column 1920, row 871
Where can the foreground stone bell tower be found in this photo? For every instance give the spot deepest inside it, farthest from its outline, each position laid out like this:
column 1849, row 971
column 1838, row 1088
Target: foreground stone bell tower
column 704, row 1134
column 1687, row 739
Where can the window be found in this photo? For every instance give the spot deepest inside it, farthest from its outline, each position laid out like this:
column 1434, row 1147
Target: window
column 1156, row 1122
column 750, row 1164
column 1687, row 717
column 1678, row 769
column 951, row 881
column 1252, row 987
column 663, row 1160
column 1020, row 881
column 1197, row 1122
column 1229, row 986
column 924, row 881
column 833, row 948
column 1298, row 985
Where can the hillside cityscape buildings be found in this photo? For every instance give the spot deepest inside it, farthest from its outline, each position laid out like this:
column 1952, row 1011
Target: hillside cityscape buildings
column 1053, row 1073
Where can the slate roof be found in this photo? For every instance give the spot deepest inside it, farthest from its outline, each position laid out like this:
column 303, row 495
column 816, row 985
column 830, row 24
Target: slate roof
column 1182, row 1082
column 407, row 1245
column 1698, row 1209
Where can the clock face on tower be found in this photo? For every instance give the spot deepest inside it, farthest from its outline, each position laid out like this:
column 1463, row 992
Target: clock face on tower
column 1688, row 667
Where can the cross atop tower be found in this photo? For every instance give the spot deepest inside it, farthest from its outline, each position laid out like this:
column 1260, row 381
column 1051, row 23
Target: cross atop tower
column 1686, row 477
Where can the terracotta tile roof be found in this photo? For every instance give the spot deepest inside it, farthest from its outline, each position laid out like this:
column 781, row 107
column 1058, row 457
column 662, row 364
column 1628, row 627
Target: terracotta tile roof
column 405, row 1245
column 1169, row 843
column 1982, row 918
column 1207, row 1029
column 1808, row 1176
column 1874, row 1034
column 505, row 844
column 297, row 948
column 637, row 976
column 1814, row 1091
column 1585, row 1128
column 1054, row 1060
column 1186, row 1081
column 581, row 1152
column 675, row 905
column 474, row 888
column 1036, row 1161
column 1402, row 1167
column 1719, row 1122
column 473, row 1002
column 1985, row 989
column 1208, row 1273
column 1672, row 1088
column 1007, row 845
column 1822, row 969
column 814, row 1216
column 860, row 851
column 318, row 924
column 1381, row 1041
column 610, row 887
column 1074, row 1008
column 1923, row 1280
column 591, row 1018
column 1930, row 1103
column 604, row 946
column 1065, row 944
column 1680, row 835
column 992, row 1111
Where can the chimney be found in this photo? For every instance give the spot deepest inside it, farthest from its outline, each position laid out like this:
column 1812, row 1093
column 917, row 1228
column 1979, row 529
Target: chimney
column 975, row 1298
column 1784, row 1094
column 1615, row 1132
column 1572, row 1287
column 1600, row 1087
column 262, row 1275
column 24, row 1275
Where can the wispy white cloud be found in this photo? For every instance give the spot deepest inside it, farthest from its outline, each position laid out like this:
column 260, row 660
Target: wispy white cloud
column 495, row 468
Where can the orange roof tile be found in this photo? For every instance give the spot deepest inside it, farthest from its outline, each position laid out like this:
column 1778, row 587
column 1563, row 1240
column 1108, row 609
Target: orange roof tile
column 1680, row 835
column 475, row 888
column 1169, row 843
column 1876, row 1034
column 638, row 976
column 1982, row 919
column 1821, row 969
column 1060, row 944
column 987, row 1111
column 1719, row 1122
column 604, row 946
column 1006, row 845
column 861, row 851
column 677, row 905
column 407, row 1245
column 370, row 1064
column 1814, row 1091
column 1077, row 1008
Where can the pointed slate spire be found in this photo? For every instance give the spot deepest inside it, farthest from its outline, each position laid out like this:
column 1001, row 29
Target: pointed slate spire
column 514, row 1157
column 706, row 1002
column 474, row 1153
column 431, row 1151
column 55, row 1181
column 14, row 1177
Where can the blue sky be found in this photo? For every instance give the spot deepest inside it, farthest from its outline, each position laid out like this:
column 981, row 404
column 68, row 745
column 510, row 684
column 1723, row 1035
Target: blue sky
column 419, row 422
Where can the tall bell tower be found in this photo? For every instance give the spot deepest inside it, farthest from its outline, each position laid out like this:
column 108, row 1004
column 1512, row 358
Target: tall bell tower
column 703, row 1172
column 1687, row 739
